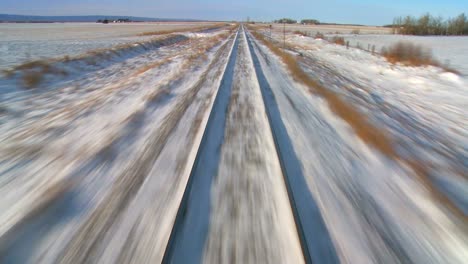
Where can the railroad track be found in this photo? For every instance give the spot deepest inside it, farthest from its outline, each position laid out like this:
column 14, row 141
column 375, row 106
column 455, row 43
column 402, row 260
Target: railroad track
column 189, row 236
column 315, row 240
column 212, row 137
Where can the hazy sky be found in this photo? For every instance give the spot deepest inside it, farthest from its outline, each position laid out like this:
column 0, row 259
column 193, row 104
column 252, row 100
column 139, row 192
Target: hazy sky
column 370, row 12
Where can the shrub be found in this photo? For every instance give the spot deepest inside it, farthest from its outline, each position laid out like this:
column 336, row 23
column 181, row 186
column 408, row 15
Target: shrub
column 319, row 35
column 32, row 79
column 409, row 54
column 298, row 32
column 356, row 32
column 338, row 40
column 34, row 72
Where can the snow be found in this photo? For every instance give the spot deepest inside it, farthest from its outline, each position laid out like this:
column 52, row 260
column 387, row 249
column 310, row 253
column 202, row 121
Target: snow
column 407, row 102
column 376, row 209
column 451, row 51
column 250, row 206
column 24, row 42
column 89, row 133
column 94, row 164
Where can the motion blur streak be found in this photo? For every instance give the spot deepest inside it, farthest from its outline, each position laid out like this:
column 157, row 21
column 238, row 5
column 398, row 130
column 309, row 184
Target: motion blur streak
column 201, row 145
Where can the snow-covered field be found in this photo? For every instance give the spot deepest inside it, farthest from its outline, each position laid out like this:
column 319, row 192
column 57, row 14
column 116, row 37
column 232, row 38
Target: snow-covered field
column 22, row 42
column 203, row 147
column 98, row 137
column 376, row 209
column 423, row 108
column 451, row 51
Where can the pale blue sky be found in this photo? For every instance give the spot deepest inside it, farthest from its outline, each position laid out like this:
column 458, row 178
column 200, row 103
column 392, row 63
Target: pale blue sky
column 341, row 11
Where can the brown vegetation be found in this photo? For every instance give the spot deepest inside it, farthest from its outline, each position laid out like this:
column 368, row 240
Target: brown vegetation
column 200, row 50
column 366, row 131
column 409, row 54
column 301, row 33
column 32, row 79
column 164, row 32
column 338, row 40
column 150, row 66
column 33, row 72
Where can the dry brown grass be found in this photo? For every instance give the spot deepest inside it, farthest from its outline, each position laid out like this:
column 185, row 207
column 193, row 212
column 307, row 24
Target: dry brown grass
column 34, row 65
column 164, row 32
column 32, row 79
column 201, row 49
column 33, row 73
column 259, row 26
column 150, row 66
column 301, row 33
column 409, row 54
column 39, row 65
column 338, row 40
column 366, row 131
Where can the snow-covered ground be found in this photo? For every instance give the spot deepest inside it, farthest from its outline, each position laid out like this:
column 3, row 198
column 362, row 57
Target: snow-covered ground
column 250, row 206
column 22, row 42
column 451, row 51
column 424, row 109
column 376, row 209
column 101, row 161
column 96, row 150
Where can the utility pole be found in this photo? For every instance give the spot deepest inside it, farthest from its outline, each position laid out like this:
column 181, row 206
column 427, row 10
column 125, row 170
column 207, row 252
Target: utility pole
column 284, row 34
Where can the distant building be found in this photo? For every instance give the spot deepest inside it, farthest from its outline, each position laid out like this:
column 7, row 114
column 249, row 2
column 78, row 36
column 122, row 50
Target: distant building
column 120, row 20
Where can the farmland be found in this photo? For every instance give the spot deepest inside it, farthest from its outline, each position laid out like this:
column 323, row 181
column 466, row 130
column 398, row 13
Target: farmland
column 21, row 43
